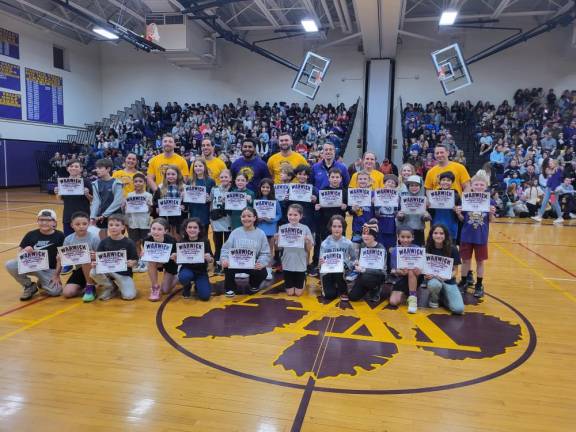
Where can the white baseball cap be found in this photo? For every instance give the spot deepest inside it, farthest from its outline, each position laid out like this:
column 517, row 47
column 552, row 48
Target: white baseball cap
column 414, row 179
column 47, row 213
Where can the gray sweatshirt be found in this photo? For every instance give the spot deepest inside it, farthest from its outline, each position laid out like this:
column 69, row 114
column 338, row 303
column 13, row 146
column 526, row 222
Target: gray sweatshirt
column 413, row 221
column 342, row 245
column 253, row 239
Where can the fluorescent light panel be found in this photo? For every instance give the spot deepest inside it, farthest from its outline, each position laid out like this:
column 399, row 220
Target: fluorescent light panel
column 309, row 25
column 105, row 33
column 448, row 17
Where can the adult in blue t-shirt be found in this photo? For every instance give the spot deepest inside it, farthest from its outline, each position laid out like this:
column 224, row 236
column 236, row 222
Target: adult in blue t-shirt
column 320, row 169
column 250, row 164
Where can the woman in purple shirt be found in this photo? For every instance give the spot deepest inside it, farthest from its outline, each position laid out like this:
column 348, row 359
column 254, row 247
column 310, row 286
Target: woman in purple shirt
column 553, row 174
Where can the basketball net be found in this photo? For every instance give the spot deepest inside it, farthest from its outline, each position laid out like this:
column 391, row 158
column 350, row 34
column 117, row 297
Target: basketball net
column 318, row 80
column 441, row 74
column 152, row 34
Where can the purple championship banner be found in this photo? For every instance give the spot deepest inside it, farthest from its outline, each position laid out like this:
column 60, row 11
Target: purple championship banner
column 9, row 43
column 44, row 97
column 10, row 105
column 9, row 76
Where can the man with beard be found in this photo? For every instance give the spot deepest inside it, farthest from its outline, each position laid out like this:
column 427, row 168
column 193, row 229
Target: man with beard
column 215, row 164
column 462, row 178
column 285, row 155
column 250, row 164
column 157, row 165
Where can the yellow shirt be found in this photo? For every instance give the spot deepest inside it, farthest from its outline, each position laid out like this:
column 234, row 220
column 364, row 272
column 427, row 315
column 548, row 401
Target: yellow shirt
column 126, row 178
column 215, row 167
column 460, row 173
column 276, row 160
column 157, row 166
column 377, row 180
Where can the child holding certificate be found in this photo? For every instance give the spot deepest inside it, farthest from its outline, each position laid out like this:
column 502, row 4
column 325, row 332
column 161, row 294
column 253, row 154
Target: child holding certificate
column 121, row 280
column 159, row 229
column 137, row 205
column 246, row 251
column 333, row 284
column 303, row 173
column 371, row 265
column 75, row 203
column 193, row 232
column 44, row 238
column 172, row 187
column 445, row 216
column 268, row 224
column 439, row 243
column 407, row 283
column 220, row 218
column 474, row 236
column 415, row 221
column 240, row 183
column 200, row 178
column 80, row 279
column 360, row 215
column 296, row 241
column 386, row 216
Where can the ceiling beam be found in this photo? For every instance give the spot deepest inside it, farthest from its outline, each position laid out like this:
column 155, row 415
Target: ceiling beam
column 500, row 8
column 129, row 11
column 260, row 4
column 464, row 17
column 279, row 12
column 340, row 17
column 327, row 13
column 346, row 12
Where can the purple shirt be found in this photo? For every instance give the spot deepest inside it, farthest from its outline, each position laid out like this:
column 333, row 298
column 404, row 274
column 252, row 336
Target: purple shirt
column 476, row 227
column 254, row 169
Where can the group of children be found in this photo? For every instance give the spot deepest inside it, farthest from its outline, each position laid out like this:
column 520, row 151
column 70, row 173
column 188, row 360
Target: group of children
column 242, row 235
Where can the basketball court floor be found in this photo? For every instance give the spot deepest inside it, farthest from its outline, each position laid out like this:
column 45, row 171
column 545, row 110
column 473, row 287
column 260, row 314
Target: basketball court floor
column 272, row 363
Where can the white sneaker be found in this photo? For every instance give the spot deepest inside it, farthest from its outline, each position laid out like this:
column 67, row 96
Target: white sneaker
column 269, row 275
column 572, row 216
column 559, row 220
column 536, row 218
column 412, row 304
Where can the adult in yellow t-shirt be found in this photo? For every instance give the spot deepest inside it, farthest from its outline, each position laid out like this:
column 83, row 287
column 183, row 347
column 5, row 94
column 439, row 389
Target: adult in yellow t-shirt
column 461, row 176
column 369, row 165
column 126, row 174
column 157, row 165
column 215, row 164
column 285, row 155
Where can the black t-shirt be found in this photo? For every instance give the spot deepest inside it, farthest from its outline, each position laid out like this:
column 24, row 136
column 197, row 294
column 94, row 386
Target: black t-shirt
column 49, row 242
column 167, row 239
column 76, row 203
column 202, row 267
column 108, row 245
column 454, row 254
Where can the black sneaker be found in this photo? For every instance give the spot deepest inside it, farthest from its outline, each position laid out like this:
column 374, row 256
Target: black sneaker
column 187, row 291
column 479, row 291
column 29, row 292
column 470, row 279
column 313, row 271
column 462, row 285
column 374, row 297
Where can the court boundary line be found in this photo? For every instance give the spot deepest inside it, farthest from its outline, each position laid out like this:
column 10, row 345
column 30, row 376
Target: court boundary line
column 17, row 308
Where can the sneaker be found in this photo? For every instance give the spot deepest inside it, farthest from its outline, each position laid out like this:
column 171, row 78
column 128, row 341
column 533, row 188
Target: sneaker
column 230, row 293
column 572, row 215
column 29, row 292
column 352, row 276
column 66, row 270
column 470, row 279
column 559, row 220
column 269, row 273
column 218, row 270
column 462, row 285
column 187, row 291
column 344, row 297
column 536, row 218
column 89, row 294
column 374, row 297
column 107, row 294
column 313, row 272
column 141, row 267
column 479, row 291
column 412, row 304
column 433, row 302
column 154, row 293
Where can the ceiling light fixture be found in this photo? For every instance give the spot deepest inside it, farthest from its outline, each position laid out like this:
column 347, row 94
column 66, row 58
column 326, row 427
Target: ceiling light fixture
column 309, row 25
column 448, row 17
column 105, row 33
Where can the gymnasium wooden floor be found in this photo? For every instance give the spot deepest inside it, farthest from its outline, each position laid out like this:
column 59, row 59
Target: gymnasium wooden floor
column 272, row 363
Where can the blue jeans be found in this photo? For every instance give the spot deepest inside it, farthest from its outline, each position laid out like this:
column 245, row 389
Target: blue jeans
column 450, row 294
column 556, row 205
column 203, row 289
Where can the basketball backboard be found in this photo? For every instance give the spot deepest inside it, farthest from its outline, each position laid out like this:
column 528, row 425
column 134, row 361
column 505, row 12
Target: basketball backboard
column 311, row 74
column 451, row 68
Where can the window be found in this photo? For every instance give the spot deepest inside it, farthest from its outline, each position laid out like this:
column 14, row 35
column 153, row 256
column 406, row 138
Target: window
column 59, row 58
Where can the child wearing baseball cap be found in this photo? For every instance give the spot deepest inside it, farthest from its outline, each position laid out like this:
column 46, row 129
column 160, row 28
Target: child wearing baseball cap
column 46, row 237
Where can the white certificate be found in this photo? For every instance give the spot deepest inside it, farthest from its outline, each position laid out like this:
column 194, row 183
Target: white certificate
column 265, row 208
column 74, row 254
column 190, row 253
column 333, row 263
column 290, row 236
column 70, row 186
column 157, row 252
column 412, row 204
column 476, row 202
column 439, row 266
column 300, row 192
column 281, row 191
column 111, row 261
column 411, row 257
column 33, row 261
column 195, row 194
column 235, row 201
column 169, row 207
column 136, row 204
column 441, row 199
column 372, row 258
column 330, row 198
column 360, row 197
column 386, row 198
column 242, row 258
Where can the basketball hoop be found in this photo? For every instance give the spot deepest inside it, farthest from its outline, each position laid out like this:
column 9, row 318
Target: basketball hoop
column 441, row 74
column 318, row 80
column 152, row 34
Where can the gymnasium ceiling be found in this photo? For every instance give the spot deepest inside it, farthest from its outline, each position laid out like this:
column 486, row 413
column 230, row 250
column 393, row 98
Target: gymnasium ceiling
column 378, row 23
